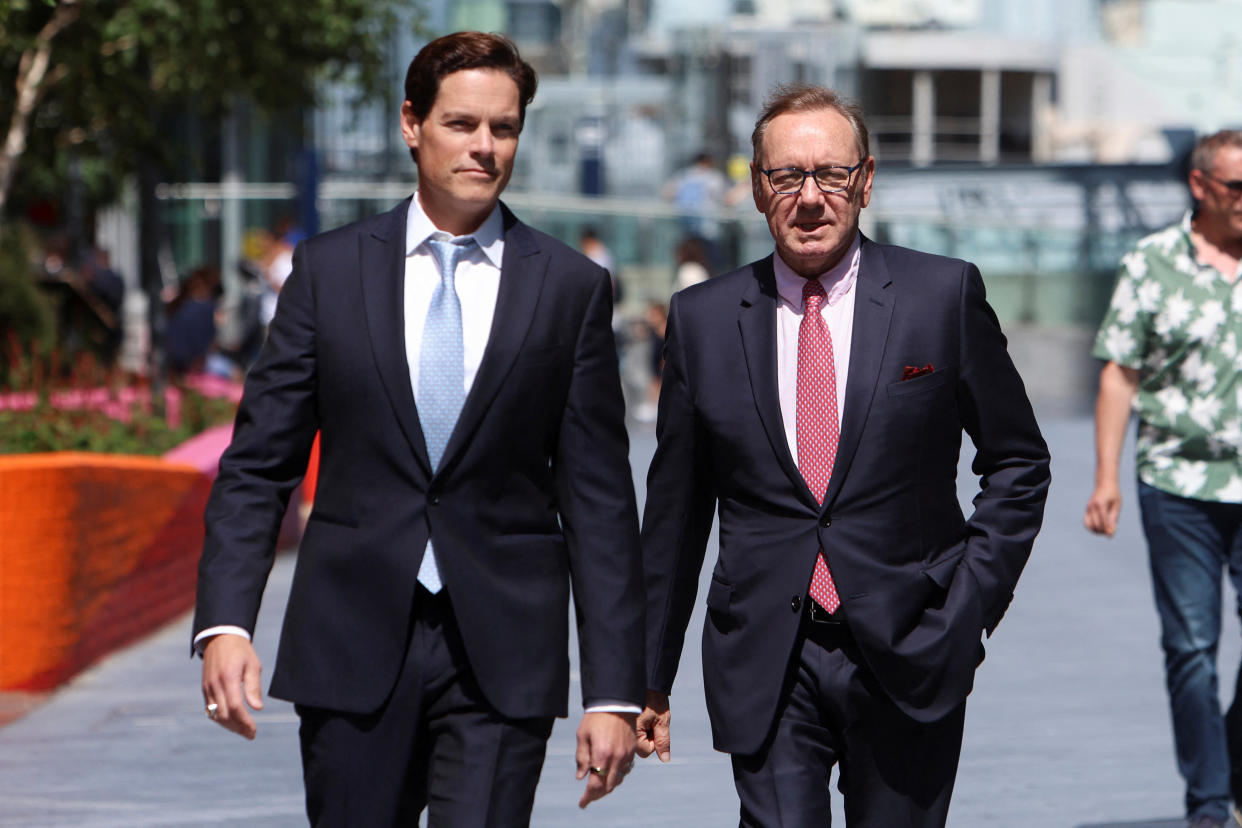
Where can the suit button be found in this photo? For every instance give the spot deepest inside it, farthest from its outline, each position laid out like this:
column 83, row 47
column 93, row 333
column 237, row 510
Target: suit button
column 434, row 499
column 825, row 521
column 795, row 603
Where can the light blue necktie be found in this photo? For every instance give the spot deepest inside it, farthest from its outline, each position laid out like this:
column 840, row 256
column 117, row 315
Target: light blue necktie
column 441, row 372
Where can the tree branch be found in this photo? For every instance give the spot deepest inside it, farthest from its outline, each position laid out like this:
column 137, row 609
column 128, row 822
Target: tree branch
column 31, row 75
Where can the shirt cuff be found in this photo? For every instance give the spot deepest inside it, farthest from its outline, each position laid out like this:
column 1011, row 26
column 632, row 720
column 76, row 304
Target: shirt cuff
column 200, row 640
column 610, row 706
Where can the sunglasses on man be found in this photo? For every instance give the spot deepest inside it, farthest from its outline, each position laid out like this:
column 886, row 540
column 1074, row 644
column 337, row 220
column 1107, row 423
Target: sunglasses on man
column 1234, row 186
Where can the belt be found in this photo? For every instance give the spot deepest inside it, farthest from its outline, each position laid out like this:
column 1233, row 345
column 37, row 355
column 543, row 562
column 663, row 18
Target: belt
column 818, row 615
column 429, row 606
column 828, row 631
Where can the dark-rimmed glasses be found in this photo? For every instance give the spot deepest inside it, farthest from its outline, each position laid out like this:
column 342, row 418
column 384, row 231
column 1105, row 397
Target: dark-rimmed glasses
column 789, row 180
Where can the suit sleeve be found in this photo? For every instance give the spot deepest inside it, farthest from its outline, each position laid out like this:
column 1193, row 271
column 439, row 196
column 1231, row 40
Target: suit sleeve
column 677, row 518
column 276, row 423
column 595, row 490
column 1011, row 456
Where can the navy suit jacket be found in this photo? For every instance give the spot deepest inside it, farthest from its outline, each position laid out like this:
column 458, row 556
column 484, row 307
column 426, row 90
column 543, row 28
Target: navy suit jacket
column 919, row 582
column 534, row 491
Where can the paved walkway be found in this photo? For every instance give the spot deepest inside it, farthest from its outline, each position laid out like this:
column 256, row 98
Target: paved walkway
column 1067, row 727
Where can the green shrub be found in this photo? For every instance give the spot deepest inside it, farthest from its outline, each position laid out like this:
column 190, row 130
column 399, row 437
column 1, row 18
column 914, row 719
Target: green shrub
column 81, row 425
column 45, row 428
column 26, row 314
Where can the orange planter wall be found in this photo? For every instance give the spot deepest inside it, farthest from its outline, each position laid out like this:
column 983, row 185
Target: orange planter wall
column 96, row 551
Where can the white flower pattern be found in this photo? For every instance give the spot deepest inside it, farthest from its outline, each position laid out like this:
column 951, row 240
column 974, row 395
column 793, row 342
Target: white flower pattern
column 1179, row 323
column 1190, row 477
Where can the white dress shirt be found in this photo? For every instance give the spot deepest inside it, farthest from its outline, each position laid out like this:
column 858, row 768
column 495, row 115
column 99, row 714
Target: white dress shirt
column 477, row 279
column 838, row 312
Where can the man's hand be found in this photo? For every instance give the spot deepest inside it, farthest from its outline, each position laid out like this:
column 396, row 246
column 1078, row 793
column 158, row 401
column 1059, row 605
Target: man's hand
column 231, row 681
column 1118, row 387
column 653, row 728
column 605, row 753
column 1103, row 509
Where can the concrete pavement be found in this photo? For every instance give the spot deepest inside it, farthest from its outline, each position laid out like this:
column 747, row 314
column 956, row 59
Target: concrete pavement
column 1067, row 727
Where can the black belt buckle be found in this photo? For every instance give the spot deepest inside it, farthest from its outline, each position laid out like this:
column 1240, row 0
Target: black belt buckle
column 827, row 630
column 819, row 615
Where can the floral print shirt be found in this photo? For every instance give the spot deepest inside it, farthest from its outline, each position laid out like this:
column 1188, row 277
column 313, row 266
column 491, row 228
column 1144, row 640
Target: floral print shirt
column 1178, row 322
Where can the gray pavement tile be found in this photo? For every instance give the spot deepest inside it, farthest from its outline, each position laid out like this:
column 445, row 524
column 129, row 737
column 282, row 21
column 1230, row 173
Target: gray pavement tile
column 1067, row 727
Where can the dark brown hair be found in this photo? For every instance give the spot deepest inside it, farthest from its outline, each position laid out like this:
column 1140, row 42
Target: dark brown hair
column 805, row 97
column 465, row 50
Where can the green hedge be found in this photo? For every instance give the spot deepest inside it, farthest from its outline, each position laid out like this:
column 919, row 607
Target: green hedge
column 45, row 428
column 26, row 315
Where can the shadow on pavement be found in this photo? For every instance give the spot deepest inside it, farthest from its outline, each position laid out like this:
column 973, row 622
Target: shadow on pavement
column 1150, row 823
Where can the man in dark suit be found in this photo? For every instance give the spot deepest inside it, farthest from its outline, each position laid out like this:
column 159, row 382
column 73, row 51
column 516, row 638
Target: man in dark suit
column 819, row 396
column 461, row 369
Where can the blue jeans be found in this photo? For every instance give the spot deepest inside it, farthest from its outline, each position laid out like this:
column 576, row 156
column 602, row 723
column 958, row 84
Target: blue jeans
column 1190, row 543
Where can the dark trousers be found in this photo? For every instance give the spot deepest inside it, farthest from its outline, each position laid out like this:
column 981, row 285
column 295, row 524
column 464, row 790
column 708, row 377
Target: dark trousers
column 435, row 744
column 1191, row 544
column 895, row 772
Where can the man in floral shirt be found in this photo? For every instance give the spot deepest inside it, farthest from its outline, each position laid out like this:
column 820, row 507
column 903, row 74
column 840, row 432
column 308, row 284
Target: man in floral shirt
column 1172, row 341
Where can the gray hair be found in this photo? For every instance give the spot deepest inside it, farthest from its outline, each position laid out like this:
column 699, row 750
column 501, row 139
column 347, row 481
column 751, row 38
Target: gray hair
column 1204, row 155
column 806, row 97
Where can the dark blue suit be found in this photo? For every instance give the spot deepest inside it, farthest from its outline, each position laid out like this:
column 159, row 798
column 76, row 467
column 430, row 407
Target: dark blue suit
column 919, row 582
column 533, row 492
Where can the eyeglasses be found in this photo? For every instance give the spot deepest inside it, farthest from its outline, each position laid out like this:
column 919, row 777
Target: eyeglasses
column 1234, row 186
column 788, row 180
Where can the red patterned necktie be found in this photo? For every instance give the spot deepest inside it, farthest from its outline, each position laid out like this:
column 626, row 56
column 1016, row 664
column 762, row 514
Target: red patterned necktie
column 818, row 429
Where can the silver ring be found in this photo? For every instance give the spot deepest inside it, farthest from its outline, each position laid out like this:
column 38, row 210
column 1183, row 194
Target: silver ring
column 212, row 709
column 599, row 771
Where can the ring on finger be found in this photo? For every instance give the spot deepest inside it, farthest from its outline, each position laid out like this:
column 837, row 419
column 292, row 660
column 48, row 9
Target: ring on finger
column 212, row 710
column 598, row 771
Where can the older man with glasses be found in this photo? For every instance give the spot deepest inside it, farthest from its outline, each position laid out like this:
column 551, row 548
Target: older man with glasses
column 817, row 398
column 1171, row 341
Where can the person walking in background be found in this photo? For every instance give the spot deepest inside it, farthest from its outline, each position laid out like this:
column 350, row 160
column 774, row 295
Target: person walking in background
column 275, row 267
column 1170, row 341
column 460, row 367
column 192, row 321
column 818, row 397
column 692, row 264
column 106, row 285
column 593, row 247
column 653, row 325
column 699, row 192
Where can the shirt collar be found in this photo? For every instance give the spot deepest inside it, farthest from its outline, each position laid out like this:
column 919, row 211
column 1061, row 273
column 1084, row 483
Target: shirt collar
column 837, row 280
column 489, row 236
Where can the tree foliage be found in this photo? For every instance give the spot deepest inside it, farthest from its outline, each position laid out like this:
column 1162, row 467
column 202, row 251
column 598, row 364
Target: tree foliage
column 117, row 70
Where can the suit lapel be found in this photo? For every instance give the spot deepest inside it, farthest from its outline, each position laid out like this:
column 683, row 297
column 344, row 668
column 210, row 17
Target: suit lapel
column 757, row 322
column 382, row 269
column 522, row 273
column 873, row 311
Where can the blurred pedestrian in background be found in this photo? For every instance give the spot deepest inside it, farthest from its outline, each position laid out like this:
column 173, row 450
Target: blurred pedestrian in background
column 692, row 264
column 593, row 247
column 107, row 286
column 276, row 265
column 699, row 193
column 655, row 319
column 1171, row 341
column 192, row 322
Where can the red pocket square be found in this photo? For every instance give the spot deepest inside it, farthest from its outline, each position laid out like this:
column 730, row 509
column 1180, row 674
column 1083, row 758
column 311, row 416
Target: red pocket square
column 912, row 371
